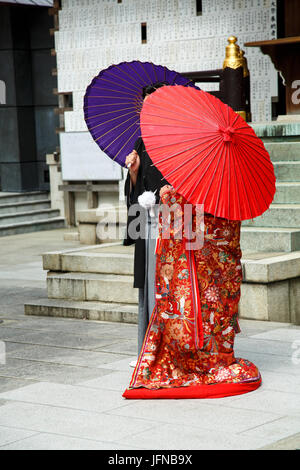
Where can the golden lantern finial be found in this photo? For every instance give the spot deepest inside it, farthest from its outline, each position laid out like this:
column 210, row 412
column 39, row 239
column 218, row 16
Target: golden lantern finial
column 233, row 57
column 245, row 64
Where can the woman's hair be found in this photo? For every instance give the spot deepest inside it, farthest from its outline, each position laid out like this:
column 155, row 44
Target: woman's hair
column 147, row 90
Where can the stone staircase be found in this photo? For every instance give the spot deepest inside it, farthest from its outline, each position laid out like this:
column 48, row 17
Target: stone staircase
column 95, row 282
column 92, row 282
column 271, row 283
column 27, row 212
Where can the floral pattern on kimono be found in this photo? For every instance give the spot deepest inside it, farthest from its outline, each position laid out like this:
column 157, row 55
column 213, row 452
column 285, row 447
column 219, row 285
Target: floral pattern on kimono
column 171, row 356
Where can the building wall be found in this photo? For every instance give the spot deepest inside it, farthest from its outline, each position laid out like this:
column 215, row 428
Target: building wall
column 96, row 33
column 27, row 120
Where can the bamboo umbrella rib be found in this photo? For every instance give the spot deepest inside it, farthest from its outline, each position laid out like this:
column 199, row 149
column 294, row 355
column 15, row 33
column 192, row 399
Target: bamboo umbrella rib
column 242, row 124
column 228, row 115
column 236, row 186
column 177, row 143
column 198, row 119
column 120, row 135
column 172, row 125
column 258, row 160
column 190, row 81
column 110, row 97
column 109, row 120
column 142, row 81
column 151, row 79
column 176, row 154
column 115, row 90
column 212, row 178
column 178, row 107
column 229, row 171
column 236, row 117
column 189, row 159
column 130, row 76
column 126, row 142
column 261, row 157
column 175, row 170
column 117, row 77
column 193, row 170
column 208, row 114
column 112, row 128
column 154, row 71
column 248, row 169
column 175, row 78
column 166, row 118
column 243, row 184
column 224, row 150
column 169, row 105
column 135, row 89
column 157, row 124
column 109, row 104
column 218, row 116
column 107, row 112
column 214, row 109
column 169, row 108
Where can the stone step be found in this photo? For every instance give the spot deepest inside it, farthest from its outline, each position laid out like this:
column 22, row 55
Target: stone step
column 271, row 288
column 276, row 301
column 71, row 236
column 283, row 151
column 14, row 207
column 253, row 240
column 118, row 259
column 92, row 286
column 278, row 215
column 271, row 267
column 263, row 239
column 283, row 265
column 287, row 193
column 52, row 260
column 105, row 263
column 42, row 214
column 287, row 171
column 99, row 311
column 277, row 131
column 270, row 291
column 8, row 198
column 105, row 213
column 28, row 227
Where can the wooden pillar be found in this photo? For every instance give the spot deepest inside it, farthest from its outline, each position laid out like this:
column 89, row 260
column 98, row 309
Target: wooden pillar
column 233, row 68
column 92, row 196
column 246, row 87
column 69, row 200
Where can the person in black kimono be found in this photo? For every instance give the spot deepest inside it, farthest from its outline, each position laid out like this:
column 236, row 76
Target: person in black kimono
column 143, row 176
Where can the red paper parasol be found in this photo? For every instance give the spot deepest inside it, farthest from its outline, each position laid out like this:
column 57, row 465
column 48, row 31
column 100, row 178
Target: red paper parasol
column 208, row 152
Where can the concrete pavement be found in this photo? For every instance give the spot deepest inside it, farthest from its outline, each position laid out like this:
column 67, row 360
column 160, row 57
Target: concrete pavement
column 61, row 380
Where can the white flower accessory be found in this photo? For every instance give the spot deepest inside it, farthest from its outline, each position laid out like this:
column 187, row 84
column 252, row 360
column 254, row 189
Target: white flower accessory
column 148, row 201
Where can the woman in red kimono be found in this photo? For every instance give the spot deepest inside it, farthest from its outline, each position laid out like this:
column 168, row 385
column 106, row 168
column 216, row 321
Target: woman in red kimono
column 188, row 348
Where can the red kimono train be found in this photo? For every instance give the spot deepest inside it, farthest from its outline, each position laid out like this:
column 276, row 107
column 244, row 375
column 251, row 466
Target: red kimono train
column 188, row 348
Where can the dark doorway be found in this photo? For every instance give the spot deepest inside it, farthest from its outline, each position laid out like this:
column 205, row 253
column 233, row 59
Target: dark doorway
column 27, row 119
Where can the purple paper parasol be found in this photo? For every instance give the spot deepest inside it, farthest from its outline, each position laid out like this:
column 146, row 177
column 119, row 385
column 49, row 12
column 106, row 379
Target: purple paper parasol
column 113, row 102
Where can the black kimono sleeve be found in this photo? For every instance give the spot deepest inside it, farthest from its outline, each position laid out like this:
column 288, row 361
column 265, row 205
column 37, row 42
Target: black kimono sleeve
column 148, row 179
column 131, row 194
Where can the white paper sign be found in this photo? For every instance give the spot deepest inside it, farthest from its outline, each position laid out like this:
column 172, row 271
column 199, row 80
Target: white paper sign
column 83, row 160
